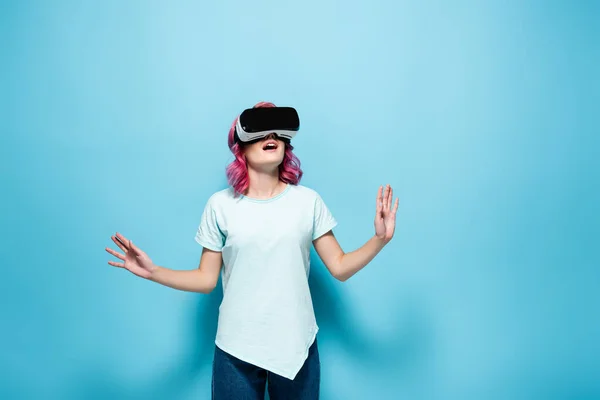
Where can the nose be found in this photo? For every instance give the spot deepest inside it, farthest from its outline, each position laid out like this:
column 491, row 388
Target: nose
column 271, row 135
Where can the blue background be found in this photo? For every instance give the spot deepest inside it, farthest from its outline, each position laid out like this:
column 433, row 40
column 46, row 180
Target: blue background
column 484, row 118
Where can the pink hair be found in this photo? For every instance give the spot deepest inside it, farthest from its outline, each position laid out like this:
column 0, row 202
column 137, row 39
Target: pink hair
column 237, row 172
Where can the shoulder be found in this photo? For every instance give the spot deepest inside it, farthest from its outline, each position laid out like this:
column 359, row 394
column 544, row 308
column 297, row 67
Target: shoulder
column 222, row 194
column 221, row 198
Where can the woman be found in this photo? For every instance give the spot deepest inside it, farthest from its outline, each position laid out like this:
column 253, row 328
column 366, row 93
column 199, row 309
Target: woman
column 257, row 234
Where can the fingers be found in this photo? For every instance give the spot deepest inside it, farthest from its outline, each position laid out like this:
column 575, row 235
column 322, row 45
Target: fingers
column 115, row 253
column 116, row 264
column 115, row 241
column 386, row 198
column 135, row 249
column 126, row 244
column 120, row 241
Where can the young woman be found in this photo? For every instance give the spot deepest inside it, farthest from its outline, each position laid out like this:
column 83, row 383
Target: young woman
column 257, row 235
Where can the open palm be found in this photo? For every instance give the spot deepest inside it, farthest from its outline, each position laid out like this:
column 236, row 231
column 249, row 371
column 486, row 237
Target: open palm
column 385, row 215
column 134, row 259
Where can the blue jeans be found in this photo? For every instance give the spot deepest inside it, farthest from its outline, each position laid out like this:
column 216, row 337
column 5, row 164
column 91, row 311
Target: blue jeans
column 234, row 379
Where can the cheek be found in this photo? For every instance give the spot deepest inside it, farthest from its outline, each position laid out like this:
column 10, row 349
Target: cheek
column 254, row 154
column 252, row 151
column 250, row 155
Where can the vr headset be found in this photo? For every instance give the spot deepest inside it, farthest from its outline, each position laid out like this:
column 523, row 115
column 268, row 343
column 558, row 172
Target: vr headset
column 256, row 123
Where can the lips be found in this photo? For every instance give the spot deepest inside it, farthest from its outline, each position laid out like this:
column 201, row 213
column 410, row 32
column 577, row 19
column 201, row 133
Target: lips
column 270, row 145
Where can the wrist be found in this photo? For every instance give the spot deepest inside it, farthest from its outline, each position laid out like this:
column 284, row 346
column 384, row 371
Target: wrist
column 380, row 240
column 154, row 270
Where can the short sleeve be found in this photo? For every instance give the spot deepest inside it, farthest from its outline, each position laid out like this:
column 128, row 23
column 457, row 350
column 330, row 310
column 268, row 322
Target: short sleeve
column 323, row 220
column 208, row 234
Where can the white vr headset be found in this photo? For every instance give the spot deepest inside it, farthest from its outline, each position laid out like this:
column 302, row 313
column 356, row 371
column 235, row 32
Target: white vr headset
column 256, row 123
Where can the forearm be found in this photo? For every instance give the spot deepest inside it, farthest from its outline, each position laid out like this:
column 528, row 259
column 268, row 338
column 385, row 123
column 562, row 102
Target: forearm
column 188, row 281
column 351, row 263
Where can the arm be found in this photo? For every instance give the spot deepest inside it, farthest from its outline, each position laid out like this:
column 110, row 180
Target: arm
column 201, row 280
column 344, row 265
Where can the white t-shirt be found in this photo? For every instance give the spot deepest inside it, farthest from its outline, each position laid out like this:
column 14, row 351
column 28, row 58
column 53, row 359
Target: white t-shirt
column 266, row 317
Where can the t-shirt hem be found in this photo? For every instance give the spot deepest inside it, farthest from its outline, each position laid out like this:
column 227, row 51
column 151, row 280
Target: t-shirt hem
column 275, row 370
column 324, row 230
column 207, row 245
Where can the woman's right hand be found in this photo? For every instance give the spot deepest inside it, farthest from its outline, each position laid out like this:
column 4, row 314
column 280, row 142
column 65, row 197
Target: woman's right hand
column 135, row 260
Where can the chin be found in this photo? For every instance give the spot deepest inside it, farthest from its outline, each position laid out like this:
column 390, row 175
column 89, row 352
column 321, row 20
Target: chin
column 266, row 160
column 272, row 156
column 271, row 163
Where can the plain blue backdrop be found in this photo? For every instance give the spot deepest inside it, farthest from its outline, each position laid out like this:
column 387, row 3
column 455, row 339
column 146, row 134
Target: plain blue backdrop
column 482, row 115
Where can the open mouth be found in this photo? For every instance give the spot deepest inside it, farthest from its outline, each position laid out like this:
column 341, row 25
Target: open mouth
column 270, row 146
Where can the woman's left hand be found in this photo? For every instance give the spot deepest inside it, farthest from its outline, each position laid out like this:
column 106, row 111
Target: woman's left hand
column 385, row 216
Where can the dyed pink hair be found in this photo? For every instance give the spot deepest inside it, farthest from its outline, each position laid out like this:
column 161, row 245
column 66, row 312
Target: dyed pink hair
column 237, row 172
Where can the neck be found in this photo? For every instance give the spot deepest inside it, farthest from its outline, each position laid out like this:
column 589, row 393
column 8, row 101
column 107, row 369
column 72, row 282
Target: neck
column 264, row 184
